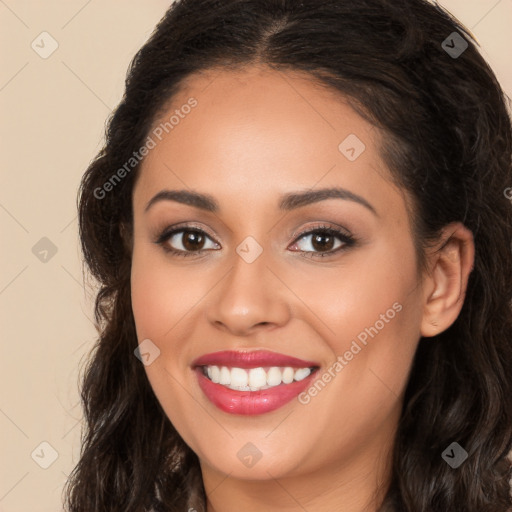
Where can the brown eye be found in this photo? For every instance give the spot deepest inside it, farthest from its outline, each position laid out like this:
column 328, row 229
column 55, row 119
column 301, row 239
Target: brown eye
column 188, row 241
column 192, row 240
column 185, row 242
column 323, row 242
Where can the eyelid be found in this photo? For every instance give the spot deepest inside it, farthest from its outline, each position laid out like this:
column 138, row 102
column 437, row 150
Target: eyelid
column 323, row 225
column 183, row 226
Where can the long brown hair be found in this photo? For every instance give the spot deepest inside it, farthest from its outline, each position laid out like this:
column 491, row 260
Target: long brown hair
column 448, row 143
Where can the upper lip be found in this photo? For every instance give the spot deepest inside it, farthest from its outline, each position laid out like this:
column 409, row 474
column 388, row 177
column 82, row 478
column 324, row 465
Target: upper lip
column 252, row 359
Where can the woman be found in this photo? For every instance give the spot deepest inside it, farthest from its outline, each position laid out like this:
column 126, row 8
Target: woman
column 299, row 225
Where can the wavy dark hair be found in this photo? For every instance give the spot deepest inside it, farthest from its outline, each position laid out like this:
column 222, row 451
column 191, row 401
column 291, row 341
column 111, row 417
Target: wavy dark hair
column 447, row 135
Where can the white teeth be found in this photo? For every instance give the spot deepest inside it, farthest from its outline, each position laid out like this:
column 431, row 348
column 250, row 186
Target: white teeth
column 255, row 379
column 225, row 376
column 214, row 374
column 274, row 376
column 302, row 373
column 239, row 377
column 288, row 374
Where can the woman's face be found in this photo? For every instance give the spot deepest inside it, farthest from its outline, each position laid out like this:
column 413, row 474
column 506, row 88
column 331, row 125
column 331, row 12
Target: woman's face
column 251, row 141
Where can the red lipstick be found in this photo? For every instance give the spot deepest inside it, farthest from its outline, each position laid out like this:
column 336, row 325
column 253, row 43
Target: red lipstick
column 253, row 359
column 251, row 402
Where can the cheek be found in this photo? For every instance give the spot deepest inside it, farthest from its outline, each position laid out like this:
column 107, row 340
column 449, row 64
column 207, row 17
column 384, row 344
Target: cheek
column 150, row 301
column 374, row 286
column 369, row 312
column 161, row 299
column 162, row 293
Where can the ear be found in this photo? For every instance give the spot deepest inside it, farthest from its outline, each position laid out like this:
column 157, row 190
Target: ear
column 449, row 264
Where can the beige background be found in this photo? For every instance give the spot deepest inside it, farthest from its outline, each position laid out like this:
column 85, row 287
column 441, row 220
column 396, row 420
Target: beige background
column 53, row 112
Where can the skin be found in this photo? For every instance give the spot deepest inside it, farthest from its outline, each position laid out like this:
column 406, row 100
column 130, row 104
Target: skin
column 257, row 134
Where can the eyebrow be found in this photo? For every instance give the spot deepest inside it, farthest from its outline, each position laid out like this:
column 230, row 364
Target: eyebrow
column 287, row 202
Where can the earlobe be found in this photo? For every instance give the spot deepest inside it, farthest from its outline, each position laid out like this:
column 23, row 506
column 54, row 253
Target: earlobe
column 445, row 286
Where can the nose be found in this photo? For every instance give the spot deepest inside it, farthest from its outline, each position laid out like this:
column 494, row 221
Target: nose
column 249, row 298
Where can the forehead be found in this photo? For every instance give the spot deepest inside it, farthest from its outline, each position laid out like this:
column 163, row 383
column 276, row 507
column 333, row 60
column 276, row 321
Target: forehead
column 260, row 129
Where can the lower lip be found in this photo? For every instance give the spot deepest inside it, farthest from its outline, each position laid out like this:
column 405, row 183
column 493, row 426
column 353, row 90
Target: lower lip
column 250, row 402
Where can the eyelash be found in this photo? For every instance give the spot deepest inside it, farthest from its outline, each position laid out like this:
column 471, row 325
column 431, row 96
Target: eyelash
column 347, row 240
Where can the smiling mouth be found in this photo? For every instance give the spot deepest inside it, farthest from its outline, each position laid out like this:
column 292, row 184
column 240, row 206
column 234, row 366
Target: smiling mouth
column 252, row 382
